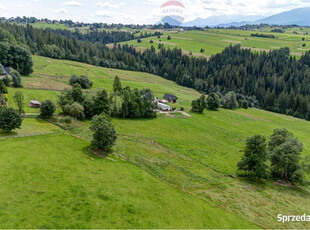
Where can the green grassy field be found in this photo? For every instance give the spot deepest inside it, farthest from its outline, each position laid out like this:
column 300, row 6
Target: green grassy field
column 31, row 126
column 44, row 25
column 53, row 181
column 215, row 40
column 194, row 156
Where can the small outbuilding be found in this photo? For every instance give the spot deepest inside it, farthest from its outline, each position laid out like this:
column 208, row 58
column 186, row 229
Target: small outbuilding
column 34, row 104
column 163, row 107
column 170, row 98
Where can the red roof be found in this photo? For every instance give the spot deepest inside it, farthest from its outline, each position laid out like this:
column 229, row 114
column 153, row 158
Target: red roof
column 172, row 3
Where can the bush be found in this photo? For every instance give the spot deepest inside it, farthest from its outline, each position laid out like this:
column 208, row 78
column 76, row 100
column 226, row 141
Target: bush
column 245, row 104
column 7, row 80
column 83, row 81
column 68, row 120
column 47, row 109
column 3, row 88
column 17, row 80
column 9, row 119
column 213, row 101
column 104, row 134
column 229, row 101
column 75, row 110
column 199, row 105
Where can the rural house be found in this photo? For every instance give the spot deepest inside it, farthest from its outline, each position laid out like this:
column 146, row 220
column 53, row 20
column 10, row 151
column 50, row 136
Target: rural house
column 170, row 98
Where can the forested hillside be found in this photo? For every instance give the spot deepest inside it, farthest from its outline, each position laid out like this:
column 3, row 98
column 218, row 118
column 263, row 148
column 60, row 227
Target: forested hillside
column 280, row 82
column 13, row 54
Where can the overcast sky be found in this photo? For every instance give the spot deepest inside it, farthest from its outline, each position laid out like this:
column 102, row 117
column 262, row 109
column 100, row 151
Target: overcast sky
column 139, row 11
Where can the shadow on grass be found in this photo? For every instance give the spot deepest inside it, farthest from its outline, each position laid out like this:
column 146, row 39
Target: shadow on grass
column 4, row 134
column 95, row 153
column 270, row 184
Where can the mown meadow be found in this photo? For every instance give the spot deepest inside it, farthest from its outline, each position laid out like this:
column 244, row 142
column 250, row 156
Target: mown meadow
column 173, row 171
column 213, row 41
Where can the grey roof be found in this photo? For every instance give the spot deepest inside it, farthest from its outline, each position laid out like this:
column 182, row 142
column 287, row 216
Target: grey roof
column 170, row 97
column 7, row 70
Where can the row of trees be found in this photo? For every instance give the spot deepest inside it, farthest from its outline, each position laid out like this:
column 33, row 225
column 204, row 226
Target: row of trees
column 102, row 36
column 229, row 101
column 263, row 35
column 279, row 82
column 279, row 159
column 126, row 103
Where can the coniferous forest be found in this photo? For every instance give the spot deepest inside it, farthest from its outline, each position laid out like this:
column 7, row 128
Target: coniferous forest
column 278, row 81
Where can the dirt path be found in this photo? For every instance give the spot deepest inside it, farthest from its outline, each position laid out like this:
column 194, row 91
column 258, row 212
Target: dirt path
column 185, row 114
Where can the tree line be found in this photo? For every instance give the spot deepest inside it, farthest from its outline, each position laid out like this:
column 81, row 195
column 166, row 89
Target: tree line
column 13, row 54
column 263, row 35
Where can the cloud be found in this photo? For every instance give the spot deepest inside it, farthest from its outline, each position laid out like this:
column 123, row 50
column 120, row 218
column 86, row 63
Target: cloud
column 114, row 16
column 103, row 13
column 2, row 7
column 72, row 3
column 61, row 11
column 109, row 5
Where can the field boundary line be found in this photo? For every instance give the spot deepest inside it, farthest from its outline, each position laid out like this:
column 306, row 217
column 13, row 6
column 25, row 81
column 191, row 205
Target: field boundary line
column 29, row 135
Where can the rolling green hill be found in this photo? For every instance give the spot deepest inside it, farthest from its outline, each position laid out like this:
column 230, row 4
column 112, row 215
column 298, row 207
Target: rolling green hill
column 215, row 40
column 170, row 172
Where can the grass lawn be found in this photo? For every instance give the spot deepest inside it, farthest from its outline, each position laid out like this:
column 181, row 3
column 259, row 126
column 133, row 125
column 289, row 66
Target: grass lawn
column 31, row 126
column 32, row 94
column 52, row 181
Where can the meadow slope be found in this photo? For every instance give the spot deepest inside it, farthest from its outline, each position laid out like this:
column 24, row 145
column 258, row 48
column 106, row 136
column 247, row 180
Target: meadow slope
column 196, row 155
column 216, row 40
column 52, row 181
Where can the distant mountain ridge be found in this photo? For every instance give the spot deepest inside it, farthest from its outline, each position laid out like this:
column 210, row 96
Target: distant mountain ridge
column 222, row 19
column 299, row 16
